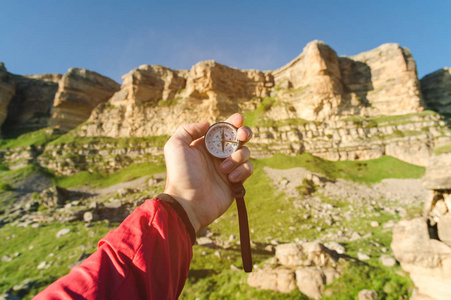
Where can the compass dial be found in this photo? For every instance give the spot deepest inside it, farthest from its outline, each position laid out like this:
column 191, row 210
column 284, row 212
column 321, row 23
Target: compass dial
column 221, row 140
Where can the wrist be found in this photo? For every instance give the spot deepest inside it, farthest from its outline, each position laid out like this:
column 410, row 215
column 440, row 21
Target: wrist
column 186, row 205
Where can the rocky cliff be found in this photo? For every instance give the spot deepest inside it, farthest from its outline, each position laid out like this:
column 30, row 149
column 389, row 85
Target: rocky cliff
column 7, row 90
column 338, row 108
column 436, row 88
column 79, row 91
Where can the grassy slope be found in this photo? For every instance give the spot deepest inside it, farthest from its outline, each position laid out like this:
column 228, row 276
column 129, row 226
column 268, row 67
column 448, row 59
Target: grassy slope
column 210, row 275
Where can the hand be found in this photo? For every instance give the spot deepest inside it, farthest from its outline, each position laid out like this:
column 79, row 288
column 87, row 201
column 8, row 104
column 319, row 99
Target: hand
column 199, row 181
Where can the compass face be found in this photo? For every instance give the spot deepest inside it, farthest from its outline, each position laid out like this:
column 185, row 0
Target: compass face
column 221, row 140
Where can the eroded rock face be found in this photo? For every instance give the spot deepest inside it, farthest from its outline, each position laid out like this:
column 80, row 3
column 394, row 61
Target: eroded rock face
column 333, row 107
column 79, row 91
column 436, row 88
column 382, row 81
column 423, row 245
column 7, row 90
column 155, row 100
column 33, row 100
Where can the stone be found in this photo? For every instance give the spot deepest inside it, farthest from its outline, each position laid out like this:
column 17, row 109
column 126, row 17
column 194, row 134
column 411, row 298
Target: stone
column 363, row 256
column 307, row 254
column 368, row 295
column 90, row 217
column 374, row 224
column 310, row 282
column 387, row 260
column 62, row 232
column 437, row 175
column 444, row 229
column 279, row 280
column 340, row 249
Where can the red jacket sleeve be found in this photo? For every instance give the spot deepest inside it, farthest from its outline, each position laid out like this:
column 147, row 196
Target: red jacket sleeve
column 146, row 257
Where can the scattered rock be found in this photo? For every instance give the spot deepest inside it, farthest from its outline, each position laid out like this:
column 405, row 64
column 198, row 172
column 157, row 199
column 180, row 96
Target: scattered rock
column 374, row 224
column 363, row 256
column 368, row 295
column 62, row 232
column 387, row 260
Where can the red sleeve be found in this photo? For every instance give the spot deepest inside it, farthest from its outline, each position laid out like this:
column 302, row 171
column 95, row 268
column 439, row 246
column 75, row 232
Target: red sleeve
column 146, row 257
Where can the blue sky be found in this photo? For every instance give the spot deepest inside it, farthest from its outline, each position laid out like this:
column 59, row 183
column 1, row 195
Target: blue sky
column 114, row 37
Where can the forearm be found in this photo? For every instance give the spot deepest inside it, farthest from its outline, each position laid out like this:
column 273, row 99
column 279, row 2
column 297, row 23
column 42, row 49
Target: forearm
column 146, row 257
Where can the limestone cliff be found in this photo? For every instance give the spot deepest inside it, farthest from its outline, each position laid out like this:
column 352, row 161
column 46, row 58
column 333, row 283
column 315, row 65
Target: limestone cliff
column 436, row 88
column 154, row 100
column 339, row 108
column 79, row 91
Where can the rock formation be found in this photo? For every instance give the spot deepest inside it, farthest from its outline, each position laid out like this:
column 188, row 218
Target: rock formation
column 33, row 100
column 333, row 107
column 423, row 245
column 309, row 267
column 79, row 91
column 7, row 90
column 436, row 89
column 154, row 100
column 338, row 108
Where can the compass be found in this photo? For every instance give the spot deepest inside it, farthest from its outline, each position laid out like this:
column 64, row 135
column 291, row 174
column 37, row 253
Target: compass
column 221, row 140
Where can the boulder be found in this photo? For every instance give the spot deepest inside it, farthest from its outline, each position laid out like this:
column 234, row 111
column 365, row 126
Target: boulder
column 310, row 282
column 279, row 280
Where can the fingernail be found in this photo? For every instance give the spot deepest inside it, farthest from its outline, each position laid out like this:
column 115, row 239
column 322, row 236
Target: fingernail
column 248, row 132
column 234, row 175
column 227, row 166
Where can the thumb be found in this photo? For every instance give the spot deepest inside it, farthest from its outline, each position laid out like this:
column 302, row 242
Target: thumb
column 188, row 133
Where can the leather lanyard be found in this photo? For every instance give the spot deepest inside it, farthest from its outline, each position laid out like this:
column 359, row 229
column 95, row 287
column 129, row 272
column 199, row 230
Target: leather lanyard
column 238, row 192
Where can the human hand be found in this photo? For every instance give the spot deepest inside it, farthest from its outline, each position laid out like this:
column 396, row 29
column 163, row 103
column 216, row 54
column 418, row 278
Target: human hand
column 199, row 181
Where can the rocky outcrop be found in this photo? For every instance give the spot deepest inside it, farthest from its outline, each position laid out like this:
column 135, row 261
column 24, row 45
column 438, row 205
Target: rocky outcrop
column 423, row 245
column 33, row 100
column 154, row 100
column 338, row 108
column 7, row 90
column 436, row 88
column 382, row 81
column 410, row 138
column 309, row 267
column 79, row 92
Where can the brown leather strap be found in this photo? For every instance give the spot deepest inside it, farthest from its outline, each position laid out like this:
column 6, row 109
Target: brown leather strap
column 238, row 192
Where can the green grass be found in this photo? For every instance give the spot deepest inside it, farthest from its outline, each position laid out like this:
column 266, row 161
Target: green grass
column 35, row 245
column 74, row 140
column 369, row 171
column 442, row 149
column 101, row 180
column 36, row 138
column 358, row 276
